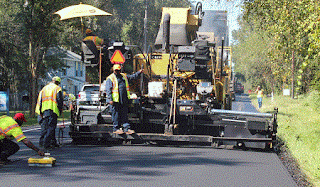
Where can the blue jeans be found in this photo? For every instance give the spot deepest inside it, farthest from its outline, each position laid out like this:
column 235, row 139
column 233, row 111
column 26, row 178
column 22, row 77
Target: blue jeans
column 48, row 130
column 119, row 114
column 260, row 102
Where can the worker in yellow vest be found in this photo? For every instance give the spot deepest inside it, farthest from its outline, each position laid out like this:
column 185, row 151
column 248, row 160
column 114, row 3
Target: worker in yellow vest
column 259, row 93
column 49, row 107
column 72, row 99
column 10, row 129
column 118, row 96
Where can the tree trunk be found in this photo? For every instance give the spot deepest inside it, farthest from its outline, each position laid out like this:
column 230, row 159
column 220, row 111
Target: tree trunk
column 292, row 82
column 33, row 91
column 33, row 71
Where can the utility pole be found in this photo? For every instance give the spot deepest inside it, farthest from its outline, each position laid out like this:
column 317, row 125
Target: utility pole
column 293, row 69
column 145, row 27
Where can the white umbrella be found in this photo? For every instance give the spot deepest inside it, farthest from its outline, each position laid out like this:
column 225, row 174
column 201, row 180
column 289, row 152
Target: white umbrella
column 80, row 10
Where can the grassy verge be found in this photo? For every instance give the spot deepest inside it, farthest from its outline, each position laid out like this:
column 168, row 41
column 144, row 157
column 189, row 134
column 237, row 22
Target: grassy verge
column 299, row 128
column 34, row 121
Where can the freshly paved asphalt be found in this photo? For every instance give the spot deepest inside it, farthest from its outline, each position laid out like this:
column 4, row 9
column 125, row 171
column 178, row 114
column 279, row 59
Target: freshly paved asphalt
column 146, row 165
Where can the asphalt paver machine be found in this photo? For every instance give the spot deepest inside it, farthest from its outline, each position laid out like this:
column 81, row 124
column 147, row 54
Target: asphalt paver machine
column 184, row 95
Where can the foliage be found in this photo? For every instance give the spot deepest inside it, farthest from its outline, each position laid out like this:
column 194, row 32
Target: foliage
column 276, row 33
column 11, row 58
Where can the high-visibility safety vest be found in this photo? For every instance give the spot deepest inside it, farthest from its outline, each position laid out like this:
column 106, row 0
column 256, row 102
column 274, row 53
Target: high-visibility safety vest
column 48, row 99
column 96, row 40
column 37, row 110
column 9, row 128
column 115, row 88
column 72, row 97
column 259, row 94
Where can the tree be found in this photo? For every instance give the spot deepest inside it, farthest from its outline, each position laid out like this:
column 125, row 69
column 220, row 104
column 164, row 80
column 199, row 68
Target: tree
column 288, row 28
column 41, row 30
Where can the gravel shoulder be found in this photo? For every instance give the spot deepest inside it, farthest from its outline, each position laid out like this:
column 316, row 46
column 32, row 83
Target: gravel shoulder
column 292, row 166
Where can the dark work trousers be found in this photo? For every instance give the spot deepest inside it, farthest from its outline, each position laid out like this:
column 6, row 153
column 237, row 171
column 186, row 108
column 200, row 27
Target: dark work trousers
column 7, row 148
column 42, row 132
column 119, row 114
column 48, row 130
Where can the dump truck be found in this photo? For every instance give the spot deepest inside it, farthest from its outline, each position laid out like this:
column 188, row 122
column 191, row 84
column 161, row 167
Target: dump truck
column 184, row 95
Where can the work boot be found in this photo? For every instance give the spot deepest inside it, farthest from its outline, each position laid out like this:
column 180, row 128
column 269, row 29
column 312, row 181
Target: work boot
column 119, row 131
column 130, row 131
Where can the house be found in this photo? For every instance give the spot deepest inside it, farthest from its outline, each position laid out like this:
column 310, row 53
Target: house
column 72, row 77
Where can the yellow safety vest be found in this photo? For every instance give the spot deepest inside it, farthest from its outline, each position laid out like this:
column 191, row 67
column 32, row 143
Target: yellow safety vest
column 72, row 97
column 9, row 128
column 115, row 88
column 48, row 99
column 37, row 110
column 259, row 94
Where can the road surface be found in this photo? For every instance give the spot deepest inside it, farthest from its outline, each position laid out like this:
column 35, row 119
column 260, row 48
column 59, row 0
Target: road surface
column 147, row 165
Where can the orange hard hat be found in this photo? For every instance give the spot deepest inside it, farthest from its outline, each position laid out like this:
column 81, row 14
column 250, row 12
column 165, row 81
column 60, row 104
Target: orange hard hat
column 88, row 31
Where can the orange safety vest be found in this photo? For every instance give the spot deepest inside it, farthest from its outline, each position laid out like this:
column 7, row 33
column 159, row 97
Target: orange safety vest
column 9, row 128
column 96, row 40
column 115, row 86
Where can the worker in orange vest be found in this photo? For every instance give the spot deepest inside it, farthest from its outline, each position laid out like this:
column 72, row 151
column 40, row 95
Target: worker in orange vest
column 10, row 129
column 96, row 40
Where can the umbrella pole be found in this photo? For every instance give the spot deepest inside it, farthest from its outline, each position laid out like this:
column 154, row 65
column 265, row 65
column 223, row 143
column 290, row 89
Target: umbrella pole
column 100, row 76
column 81, row 25
column 100, row 61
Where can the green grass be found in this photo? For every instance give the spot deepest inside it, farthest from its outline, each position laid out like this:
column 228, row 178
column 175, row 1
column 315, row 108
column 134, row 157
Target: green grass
column 299, row 128
column 34, row 121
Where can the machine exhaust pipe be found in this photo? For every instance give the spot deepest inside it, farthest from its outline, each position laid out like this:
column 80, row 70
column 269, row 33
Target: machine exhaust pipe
column 166, row 33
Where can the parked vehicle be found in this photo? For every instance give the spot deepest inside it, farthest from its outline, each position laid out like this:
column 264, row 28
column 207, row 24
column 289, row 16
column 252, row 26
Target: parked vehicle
column 90, row 94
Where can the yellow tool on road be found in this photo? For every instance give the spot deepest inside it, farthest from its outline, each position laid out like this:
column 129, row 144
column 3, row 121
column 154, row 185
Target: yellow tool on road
column 45, row 161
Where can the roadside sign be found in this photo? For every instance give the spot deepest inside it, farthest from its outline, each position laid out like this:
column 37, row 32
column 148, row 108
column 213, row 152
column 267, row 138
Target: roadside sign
column 4, row 101
column 117, row 57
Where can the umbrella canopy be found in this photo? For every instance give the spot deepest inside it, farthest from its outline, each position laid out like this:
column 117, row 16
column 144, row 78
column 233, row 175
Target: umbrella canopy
column 80, row 10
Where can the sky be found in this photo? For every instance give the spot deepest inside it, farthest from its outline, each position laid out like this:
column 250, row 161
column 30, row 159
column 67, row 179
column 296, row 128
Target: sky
column 231, row 6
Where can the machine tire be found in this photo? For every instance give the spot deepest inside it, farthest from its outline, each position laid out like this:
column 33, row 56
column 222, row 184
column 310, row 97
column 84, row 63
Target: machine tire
column 241, row 145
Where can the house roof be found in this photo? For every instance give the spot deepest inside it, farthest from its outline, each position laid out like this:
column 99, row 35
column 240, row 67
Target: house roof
column 73, row 56
column 66, row 54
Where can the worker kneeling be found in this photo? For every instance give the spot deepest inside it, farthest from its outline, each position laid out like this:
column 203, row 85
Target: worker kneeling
column 10, row 129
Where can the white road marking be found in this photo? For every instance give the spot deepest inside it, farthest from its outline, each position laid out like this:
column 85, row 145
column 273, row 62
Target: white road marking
column 35, row 129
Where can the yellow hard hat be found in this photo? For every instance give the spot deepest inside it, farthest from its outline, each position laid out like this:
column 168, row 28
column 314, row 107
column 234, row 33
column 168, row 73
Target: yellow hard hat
column 56, row 79
column 117, row 67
